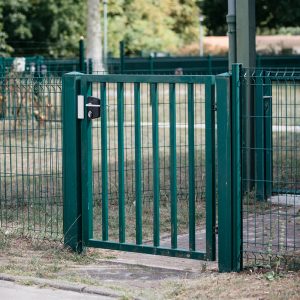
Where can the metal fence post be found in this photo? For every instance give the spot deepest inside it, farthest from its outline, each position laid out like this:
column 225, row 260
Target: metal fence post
column 237, row 222
column 209, row 61
column 263, row 136
column 72, row 220
column 82, row 67
column 229, row 172
column 122, row 55
column 259, row 136
column 90, row 66
column 268, row 136
column 151, row 64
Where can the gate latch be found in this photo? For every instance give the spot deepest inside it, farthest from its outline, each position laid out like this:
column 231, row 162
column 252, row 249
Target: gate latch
column 93, row 106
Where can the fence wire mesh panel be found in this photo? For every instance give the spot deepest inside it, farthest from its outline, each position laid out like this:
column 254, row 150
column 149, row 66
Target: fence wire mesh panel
column 149, row 164
column 271, row 199
column 30, row 154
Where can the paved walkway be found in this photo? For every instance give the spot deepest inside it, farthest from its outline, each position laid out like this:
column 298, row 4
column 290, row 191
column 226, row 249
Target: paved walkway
column 13, row 291
column 275, row 228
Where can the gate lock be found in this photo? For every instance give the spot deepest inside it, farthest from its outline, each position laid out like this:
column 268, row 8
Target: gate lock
column 93, row 107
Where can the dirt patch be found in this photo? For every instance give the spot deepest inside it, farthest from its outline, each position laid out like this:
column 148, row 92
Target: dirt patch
column 142, row 276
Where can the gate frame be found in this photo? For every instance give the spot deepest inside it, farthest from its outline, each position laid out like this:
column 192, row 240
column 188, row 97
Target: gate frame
column 229, row 192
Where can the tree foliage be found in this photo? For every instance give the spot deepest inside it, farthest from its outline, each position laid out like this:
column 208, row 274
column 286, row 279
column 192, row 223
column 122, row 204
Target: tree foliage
column 52, row 27
column 152, row 25
column 270, row 14
column 44, row 27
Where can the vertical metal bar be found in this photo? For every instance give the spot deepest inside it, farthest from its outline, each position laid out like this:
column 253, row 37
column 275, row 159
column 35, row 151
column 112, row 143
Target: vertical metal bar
column 122, row 54
column 173, row 167
column 86, row 170
column 151, row 62
column 156, row 181
column 120, row 103
column 81, row 55
column 90, row 66
column 224, row 174
column 209, row 60
column 268, row 138
column 104, row 166
column 191, row 158
column 210, row 167
column 237, row 232
column 259, row 137
column 71, row 173
column 138, row 163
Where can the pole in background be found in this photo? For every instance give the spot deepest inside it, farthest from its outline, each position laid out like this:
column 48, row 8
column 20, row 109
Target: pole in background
column 231, row 21
column 94, row 36
column 105, row 22
column 81, row 55
column 201, row 18
column 245, row 55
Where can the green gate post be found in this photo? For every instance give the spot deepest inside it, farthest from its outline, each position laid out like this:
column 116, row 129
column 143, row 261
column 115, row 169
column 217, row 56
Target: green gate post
column 72, row 222
column 229, row 171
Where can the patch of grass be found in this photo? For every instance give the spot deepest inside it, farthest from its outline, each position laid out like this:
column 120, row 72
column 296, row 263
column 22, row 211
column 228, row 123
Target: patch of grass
column 235, row 286
column 147, row 225
column 44, row 258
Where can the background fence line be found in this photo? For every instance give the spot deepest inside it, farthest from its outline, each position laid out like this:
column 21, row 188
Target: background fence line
column 197, row 65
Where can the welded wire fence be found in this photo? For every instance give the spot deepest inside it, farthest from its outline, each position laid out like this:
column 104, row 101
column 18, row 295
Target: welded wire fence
column 30, row 154
column 271, row 166
column 31, row 163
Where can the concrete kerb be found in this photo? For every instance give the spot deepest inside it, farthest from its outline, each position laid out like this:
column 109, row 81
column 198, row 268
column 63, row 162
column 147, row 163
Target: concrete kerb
column 79, row 288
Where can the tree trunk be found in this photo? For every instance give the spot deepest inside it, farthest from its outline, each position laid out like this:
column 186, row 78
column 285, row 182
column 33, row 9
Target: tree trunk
column 94, row 45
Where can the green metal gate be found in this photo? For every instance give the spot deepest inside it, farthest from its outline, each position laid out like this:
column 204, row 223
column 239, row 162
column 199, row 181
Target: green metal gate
column 141, row 177
column 151, row 154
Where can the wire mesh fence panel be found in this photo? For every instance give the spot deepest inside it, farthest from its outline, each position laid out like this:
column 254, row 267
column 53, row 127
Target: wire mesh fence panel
column 270, row 167
column 30, row 154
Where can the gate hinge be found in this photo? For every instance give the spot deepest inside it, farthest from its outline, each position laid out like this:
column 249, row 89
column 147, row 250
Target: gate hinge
column 214, row 107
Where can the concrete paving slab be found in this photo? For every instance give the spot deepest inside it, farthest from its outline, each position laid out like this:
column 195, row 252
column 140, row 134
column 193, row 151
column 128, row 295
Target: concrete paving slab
column 14, row 291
